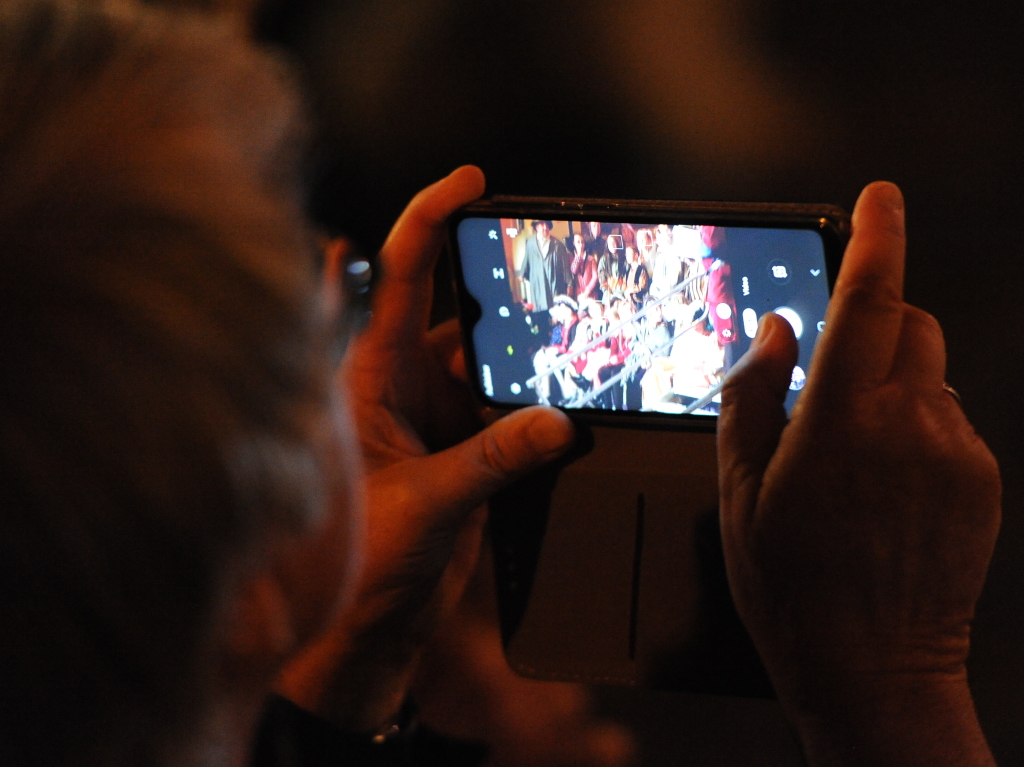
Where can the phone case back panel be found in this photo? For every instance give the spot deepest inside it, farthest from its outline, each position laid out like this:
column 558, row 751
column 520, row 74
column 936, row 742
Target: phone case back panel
column 610, row 570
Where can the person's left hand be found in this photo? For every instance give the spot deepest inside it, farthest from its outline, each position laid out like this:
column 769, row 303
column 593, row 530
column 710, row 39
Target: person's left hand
column 429, row 469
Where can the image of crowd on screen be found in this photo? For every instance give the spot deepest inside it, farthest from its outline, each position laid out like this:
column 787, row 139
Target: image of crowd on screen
column 637, row 317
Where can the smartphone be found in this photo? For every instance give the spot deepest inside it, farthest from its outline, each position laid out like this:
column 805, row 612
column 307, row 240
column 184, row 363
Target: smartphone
column 628, row 314
column 624, row 309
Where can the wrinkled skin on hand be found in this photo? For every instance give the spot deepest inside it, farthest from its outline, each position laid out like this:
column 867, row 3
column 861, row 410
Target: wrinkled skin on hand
column 858, row 535
column 429, row 468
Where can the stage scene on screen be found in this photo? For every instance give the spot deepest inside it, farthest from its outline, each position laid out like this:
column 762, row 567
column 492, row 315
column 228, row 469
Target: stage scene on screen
column 627, row 316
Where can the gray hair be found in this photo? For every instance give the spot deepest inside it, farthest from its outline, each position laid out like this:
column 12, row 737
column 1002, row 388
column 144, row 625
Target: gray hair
column 165, row 377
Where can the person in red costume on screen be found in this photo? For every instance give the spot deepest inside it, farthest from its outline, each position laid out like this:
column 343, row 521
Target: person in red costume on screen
column 721, row 302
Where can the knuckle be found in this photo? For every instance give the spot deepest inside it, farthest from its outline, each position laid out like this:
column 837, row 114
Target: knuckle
column 497, row 460
column 732, row 390
column 984, row 470
column 868, row 292
column 923, row 322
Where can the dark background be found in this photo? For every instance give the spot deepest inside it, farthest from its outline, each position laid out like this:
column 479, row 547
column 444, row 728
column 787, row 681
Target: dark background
column 717, row 99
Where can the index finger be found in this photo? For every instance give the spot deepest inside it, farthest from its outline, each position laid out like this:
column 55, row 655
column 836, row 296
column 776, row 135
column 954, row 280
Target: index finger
column 864, row 319
column 401, row 308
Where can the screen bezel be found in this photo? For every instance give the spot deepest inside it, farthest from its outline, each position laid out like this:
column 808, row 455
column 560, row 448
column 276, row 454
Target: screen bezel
column 830, row 222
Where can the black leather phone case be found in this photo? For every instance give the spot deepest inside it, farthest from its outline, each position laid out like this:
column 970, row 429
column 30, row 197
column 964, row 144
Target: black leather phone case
column 609, row 568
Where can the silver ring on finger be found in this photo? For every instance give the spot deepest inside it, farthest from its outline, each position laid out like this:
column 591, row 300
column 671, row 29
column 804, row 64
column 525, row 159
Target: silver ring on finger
column 953, row 393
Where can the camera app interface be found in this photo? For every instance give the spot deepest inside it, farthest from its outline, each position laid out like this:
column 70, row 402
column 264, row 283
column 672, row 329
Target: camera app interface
column 627, row 316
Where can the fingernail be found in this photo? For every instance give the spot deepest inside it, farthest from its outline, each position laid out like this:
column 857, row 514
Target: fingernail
column 550, row 431
column 887, row 196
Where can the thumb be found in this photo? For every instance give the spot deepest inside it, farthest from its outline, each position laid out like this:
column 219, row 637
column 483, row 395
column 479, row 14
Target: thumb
column 753, row 415
column 464, row 476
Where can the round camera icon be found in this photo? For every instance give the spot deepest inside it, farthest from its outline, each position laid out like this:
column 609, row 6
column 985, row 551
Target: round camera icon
column 790, row 316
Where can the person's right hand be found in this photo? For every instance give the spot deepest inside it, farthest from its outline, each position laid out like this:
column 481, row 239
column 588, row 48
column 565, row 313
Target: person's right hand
column 430, row 468
column 857, row 536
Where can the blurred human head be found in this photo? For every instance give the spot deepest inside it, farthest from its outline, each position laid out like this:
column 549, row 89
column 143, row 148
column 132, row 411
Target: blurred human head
column 595, row 229
column 663, row 236
column 578, row 242
column 712, row 236
column 614, row 307
column 687, row 242
column 563, row 309
column 701, row 322
column 542, row 228
column 625, row 309
column 167, row 421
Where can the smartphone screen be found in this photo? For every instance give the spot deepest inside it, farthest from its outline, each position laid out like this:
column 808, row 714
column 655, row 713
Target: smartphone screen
column 641, row 317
